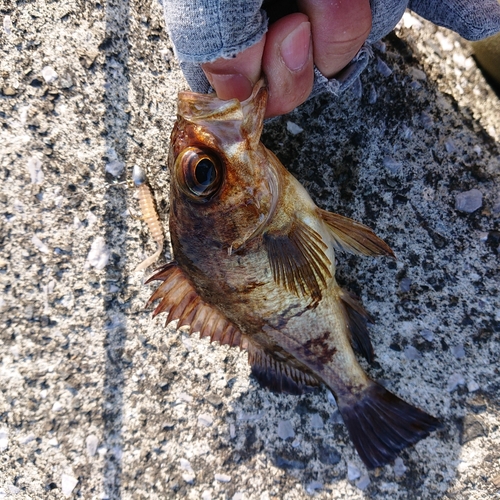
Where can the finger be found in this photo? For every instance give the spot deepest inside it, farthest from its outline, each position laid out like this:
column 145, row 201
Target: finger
column 339, row 29
column 288, row 63
column 235, row 78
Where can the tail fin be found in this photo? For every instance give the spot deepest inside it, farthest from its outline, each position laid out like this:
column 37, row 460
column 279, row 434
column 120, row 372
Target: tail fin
column 381, row 425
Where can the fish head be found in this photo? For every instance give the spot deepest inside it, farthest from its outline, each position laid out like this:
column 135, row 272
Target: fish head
column 222, row 183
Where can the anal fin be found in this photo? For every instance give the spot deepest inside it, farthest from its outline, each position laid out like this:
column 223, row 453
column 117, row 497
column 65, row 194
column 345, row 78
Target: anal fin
column 280, row 372
column 357, row 319
column 352, row 236
column 180, row 300
column 380, row 424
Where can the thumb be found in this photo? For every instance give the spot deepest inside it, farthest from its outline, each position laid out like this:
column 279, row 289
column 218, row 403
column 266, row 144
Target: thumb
column 235, row 78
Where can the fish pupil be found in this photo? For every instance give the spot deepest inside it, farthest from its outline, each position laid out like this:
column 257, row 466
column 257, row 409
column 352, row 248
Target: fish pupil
column 205, row 172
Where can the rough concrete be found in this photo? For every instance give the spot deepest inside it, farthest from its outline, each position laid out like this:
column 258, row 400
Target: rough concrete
column 99, row 401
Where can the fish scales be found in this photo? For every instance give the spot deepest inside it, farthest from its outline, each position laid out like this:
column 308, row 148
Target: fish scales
column 255, row 268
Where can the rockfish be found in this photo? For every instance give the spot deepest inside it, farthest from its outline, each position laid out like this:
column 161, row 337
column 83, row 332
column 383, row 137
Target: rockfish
column 255, row 268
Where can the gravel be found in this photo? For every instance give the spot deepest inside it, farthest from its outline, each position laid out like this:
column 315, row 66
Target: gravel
column 79, row 355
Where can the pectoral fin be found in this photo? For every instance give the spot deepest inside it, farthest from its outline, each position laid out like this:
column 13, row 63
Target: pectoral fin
column 298, row 260
column 354, row 237
column 179, row 299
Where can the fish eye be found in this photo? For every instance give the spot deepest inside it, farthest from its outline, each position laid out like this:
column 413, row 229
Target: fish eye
column 199, row 173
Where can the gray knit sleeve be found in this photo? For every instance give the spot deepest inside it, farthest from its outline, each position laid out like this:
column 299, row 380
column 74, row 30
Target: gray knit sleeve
column 205, row 30
column 472, row 19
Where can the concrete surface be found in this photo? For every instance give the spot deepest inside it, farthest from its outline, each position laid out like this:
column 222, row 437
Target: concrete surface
column 99, row 401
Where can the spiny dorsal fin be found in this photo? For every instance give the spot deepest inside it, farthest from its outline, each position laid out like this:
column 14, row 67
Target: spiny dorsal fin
column 356, row 319
column 280, row 375
column 298, row 260
column 179, row 299
column 354, row 237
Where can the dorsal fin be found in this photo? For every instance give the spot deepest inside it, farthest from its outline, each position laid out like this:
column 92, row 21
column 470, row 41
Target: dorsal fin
column 179, row 299
column 354, row 237
column 357, row 318
column 280, row 375
column 298, row 260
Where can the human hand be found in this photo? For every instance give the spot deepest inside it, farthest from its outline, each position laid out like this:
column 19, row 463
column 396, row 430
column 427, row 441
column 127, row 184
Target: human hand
column 325, row 33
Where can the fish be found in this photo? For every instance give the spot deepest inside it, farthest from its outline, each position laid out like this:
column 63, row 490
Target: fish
column 254, row 268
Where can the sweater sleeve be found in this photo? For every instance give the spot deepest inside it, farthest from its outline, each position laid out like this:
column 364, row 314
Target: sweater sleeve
column 205, row 30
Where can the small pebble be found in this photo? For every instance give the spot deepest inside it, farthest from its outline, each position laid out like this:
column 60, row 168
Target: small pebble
column 314, row 486
column 68, row 484
column 49, row 74
column 27, row 439
column 115, row 168
column 183, row 396
column 472, row 386
column 56, row 407
column 469, row 201
column 392, row 165
column 399, row 467
column 445, row 42
column 40, row 244
column 496, row 481
column 458, row 351
column 427, row 335
column 410, row 21
column 405, row 284
column 411, row 353
column 450, row 146
column 316, row 421
column 7, row 24
column 206, row 495
column 285, row 429
column 238, row 496
column 293, row 128
column 205, row 420
column 454, row 381
column 352, row 471
column 223, row 478
column 186, row 465
column 91, row 443
column 14, row 490
column 34, row 167
column 418, row 74
column 357, row 88
column 364, row 482
column 382, row 68
column 53, row 442
column 372, row 95
column 188, row 477
column 4, row 439
column 99, row 254
column 426, row 120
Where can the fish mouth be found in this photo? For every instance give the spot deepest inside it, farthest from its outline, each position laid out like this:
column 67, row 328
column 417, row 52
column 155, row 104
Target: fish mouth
column 208, row 107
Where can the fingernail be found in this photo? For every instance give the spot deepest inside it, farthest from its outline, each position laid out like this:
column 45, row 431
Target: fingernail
column 230, row 86
column 295, row 47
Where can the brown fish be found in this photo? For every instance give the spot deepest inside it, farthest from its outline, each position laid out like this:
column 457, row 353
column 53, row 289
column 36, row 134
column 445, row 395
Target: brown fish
column 255, row 268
